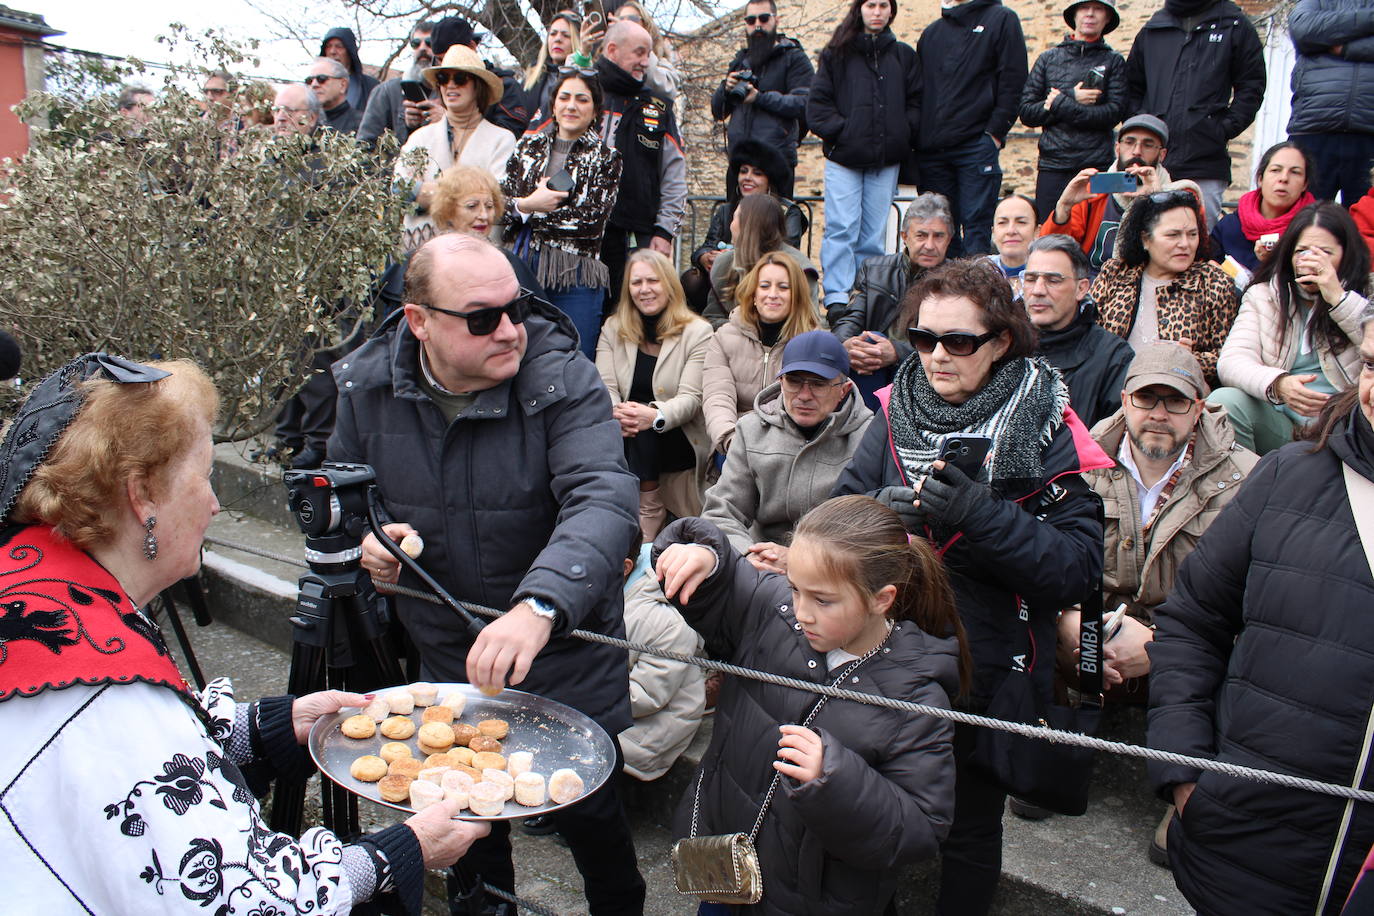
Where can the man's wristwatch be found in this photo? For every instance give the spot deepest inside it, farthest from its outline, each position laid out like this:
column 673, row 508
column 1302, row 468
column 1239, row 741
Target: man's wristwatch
column 542, row 608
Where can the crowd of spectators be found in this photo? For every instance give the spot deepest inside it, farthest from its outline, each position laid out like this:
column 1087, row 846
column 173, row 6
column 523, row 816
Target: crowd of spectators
column 1125, row 349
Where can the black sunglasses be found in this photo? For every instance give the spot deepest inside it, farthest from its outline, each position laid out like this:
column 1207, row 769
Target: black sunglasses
column 585, row 72
column 761, row 17
column 457, row 78
column 1169, row 197
column 955, row 343
column 416, row 42
column 482, row 322
column 320, row 78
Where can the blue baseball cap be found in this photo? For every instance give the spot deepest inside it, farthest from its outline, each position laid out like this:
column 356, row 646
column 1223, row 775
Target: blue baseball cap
column 817, row 352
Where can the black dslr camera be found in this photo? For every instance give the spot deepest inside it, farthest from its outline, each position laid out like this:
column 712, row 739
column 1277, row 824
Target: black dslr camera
column 741, row 88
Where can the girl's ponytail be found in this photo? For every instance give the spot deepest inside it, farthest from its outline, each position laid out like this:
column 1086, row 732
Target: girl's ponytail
column 865, row 545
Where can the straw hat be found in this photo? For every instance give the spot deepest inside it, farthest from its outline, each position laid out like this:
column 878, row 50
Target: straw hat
column 461, row 57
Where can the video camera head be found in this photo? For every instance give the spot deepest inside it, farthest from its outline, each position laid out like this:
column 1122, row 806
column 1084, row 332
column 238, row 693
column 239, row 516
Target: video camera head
column 331, row 499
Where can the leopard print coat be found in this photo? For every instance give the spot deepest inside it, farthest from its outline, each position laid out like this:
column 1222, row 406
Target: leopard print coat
column 1200, row 304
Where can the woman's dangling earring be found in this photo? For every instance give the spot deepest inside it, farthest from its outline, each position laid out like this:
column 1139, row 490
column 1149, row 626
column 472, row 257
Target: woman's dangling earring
column 150, row 539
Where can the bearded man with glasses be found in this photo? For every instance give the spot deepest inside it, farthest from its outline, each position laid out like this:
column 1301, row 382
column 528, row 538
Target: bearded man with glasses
column 1176, row 465
column 492, row 439
column 787, row 453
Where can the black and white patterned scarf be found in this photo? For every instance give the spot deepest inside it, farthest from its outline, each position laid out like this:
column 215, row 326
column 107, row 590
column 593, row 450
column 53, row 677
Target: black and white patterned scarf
column 1020, row 408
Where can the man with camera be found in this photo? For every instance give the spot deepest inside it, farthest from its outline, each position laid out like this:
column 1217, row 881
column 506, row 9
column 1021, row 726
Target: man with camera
column 1091, row 217
column 491, row 437
column 764, row 93
column 390, row 108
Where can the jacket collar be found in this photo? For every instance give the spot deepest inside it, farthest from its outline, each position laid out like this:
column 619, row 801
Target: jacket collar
column 1213, row 438
column 848, row 416
column 1163, row 19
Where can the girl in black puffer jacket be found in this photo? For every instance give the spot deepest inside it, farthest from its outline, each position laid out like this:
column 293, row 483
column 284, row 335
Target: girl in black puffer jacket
column 1076, row 95
column 865, row 107
column 862, row 791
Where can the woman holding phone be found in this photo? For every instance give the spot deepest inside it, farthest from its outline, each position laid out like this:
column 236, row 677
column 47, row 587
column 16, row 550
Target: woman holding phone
column 561, row 183
column 1019, row 532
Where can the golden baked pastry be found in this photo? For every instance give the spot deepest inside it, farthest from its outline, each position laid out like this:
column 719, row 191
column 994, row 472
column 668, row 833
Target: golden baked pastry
column 398, row 728
column 462, row 755
column 442, row 759
column 368, row 768
column 463, row 733
column 565, row 786
column 437, row 714
column 436, row 736
column 483, row 743
column 486, row 760
column 475, row 773
column 394, row 750
column 405, row 766
column 433, row 774
column 494, row 728
column 359, row 727
column 395, row 788
column 529, row 790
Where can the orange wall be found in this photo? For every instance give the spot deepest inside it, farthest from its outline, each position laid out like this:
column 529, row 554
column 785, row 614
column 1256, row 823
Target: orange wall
column 14, row 134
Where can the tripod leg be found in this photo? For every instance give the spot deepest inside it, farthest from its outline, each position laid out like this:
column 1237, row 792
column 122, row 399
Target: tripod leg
column 178, row 628
column 312, row 624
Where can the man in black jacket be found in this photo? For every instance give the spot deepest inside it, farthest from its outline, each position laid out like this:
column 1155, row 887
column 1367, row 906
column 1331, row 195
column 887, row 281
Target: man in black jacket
column 342, row 45
column 1199, row 65
column 1333, row 94
column 774, row 103
column 973, row 65
column 653, row 178
column 328, row 79
column 1093, row 360
column 494, row 442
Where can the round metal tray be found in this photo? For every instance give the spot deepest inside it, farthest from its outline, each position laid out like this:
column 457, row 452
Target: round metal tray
column 557, row 735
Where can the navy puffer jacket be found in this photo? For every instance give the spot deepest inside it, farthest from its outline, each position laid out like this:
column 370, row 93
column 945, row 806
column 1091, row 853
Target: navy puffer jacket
column 865, row 102
column 1332, row 93
column 1264, row 656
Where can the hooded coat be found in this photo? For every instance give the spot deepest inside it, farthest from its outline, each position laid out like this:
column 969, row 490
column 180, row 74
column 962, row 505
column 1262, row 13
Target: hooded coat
column 775, row 474
column 838, row 844
column 769, row 161
column 777, row 117
column 1073, row 135
column 524, row 494
column 1206, row 84
column 1264, row 656
column 973, row 61
column 1039, row 542
column 360, row 85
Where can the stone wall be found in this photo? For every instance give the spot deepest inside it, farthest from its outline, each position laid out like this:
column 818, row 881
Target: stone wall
column 707, row 52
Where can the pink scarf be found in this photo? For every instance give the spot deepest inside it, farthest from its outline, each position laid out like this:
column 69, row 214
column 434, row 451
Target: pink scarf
column 1254, row 224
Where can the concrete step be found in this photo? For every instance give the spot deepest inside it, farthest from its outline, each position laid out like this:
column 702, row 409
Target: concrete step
column 1095, row 864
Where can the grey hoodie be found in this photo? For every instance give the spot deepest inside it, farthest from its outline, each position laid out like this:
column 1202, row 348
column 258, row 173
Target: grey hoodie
column 773, row 475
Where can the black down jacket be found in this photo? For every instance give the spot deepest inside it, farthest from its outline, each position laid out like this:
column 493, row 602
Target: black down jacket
column 1332, row 93
column 865, row 102
column 1072, row 135
column 973, row 61
column 1094, row 363
column 776, row 115
column 1207, row 85
column 876, row 300
column 1264, row 656
column 525, row 493
column 885, row 797
column 1040, row 542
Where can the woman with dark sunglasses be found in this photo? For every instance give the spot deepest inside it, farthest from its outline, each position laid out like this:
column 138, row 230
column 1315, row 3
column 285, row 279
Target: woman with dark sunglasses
column 1160, row 286
column 1021, row 536
column 464, row 137
column 561, row 183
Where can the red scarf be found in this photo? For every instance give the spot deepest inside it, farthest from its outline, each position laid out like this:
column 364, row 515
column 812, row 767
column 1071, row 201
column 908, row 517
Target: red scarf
column 1255, row 224
column 64, row 620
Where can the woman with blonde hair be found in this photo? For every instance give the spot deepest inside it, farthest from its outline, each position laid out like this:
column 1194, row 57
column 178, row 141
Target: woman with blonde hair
column 561, row 42
column 651, row 356
column 758, row 227
column 775, row 305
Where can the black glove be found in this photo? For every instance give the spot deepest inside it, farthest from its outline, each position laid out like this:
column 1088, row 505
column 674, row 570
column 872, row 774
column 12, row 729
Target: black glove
column 901, row 500
column 949, row 498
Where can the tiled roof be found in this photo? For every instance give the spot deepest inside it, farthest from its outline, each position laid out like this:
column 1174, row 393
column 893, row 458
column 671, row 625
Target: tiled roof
column 25, row 22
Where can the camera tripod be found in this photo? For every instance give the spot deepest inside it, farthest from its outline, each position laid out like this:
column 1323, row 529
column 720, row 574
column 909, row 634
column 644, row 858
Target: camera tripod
column 340, row 635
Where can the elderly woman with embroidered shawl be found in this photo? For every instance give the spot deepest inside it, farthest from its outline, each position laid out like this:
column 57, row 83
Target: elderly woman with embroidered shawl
column 1021, row 538
column 123, row 791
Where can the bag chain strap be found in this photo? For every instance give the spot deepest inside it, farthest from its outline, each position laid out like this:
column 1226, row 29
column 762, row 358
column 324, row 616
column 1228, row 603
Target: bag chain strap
column 777, row 777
